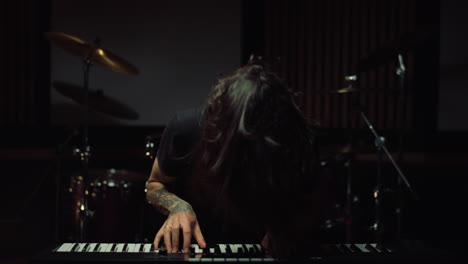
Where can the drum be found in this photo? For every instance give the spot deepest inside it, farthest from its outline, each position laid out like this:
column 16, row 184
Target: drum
column 115, row 201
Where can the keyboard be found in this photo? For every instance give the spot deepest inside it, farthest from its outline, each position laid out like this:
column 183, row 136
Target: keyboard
column 225, row 253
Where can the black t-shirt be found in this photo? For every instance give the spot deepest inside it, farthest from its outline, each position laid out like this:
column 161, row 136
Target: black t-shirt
column 175, row 157
column 178, row 141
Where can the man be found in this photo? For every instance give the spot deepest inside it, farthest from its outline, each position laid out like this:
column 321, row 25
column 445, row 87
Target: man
column 242, row 167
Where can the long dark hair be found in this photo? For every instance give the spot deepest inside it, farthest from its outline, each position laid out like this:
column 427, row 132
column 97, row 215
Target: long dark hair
column 258, row 146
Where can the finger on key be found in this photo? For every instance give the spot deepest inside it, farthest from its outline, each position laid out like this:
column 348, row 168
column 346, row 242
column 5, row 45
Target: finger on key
column 175, row 239
column 167, row 238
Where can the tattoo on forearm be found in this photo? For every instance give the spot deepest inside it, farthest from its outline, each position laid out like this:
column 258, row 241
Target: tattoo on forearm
column 169, row 202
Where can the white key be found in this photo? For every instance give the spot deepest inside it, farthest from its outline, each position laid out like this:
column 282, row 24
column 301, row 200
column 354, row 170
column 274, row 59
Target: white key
column 106, row 247
column 80, row 247
column 375, row 246
column 147, row 248
column 138, row 247
column 212, row 250
column 91, row 247
column 363, row 248
column 258, row 247
column 131, row 247
column 197, row 249
column 65, row 247
column 235, row 248
column 249, row 247
column 349, row 246
column 222, row 248
column 119, row 247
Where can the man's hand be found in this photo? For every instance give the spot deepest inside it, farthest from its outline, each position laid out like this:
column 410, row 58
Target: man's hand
column 181, row 218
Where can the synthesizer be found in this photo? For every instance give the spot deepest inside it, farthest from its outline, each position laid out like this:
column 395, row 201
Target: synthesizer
column 219, row 253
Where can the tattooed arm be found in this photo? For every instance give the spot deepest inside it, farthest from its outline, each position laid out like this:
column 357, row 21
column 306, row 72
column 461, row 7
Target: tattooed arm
column 181, row 216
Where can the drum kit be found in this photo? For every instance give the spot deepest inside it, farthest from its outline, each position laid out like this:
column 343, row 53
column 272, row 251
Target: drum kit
column 94, row 192
column 345, row 155
column 105, row 204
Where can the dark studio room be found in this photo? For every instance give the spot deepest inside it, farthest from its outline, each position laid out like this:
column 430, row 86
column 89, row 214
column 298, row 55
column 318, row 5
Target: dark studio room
column 308, row 131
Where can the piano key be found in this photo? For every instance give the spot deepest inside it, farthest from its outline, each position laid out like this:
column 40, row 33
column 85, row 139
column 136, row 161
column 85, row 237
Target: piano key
column 118, row 247
column 147, row 248
column 106, row 247
column 237, row 248
column 81, row 247
column 197, row 249
column 92, row 247
column 371, row 248
column 344, row 248
column 140, row 247
column 251, row 249
column 65, row 247
column 382, row 248
column 228, row 249
column 258, row 248
column 74, row 247
column 362, row 248
column 131, row 247
column 85, row 248
column 375, row 246
column 222, row 248
column 353, row 248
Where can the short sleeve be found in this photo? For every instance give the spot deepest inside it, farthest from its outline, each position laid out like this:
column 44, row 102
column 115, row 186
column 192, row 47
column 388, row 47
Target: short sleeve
column 166, row 145
column 177, row 142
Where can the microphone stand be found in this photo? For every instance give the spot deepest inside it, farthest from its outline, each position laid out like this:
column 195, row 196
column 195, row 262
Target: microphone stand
column 381, row 148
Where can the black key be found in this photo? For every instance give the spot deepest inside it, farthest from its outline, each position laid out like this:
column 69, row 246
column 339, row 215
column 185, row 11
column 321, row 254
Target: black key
column 371, row 248
column 125, row 248
column 354, row 248
column 73, row 249
column 382, row 248
column 85, row 248
column 218, row 250
column 228, row 249
column 113, row 247
column 344, row 249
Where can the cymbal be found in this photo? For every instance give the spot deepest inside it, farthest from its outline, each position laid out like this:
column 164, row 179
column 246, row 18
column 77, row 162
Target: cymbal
column 391, row 49
column 117, row 175
column 96, row 100
column 345, row 90
column 88, row 51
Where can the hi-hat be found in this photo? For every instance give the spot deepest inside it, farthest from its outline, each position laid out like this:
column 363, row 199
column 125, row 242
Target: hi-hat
column 96, row 100
column 92, row 52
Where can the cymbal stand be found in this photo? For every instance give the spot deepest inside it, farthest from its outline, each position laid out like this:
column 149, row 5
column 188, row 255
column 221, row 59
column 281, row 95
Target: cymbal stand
column 381, row 148
column 400, row 72
column 85, row 152
column 351, row 79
